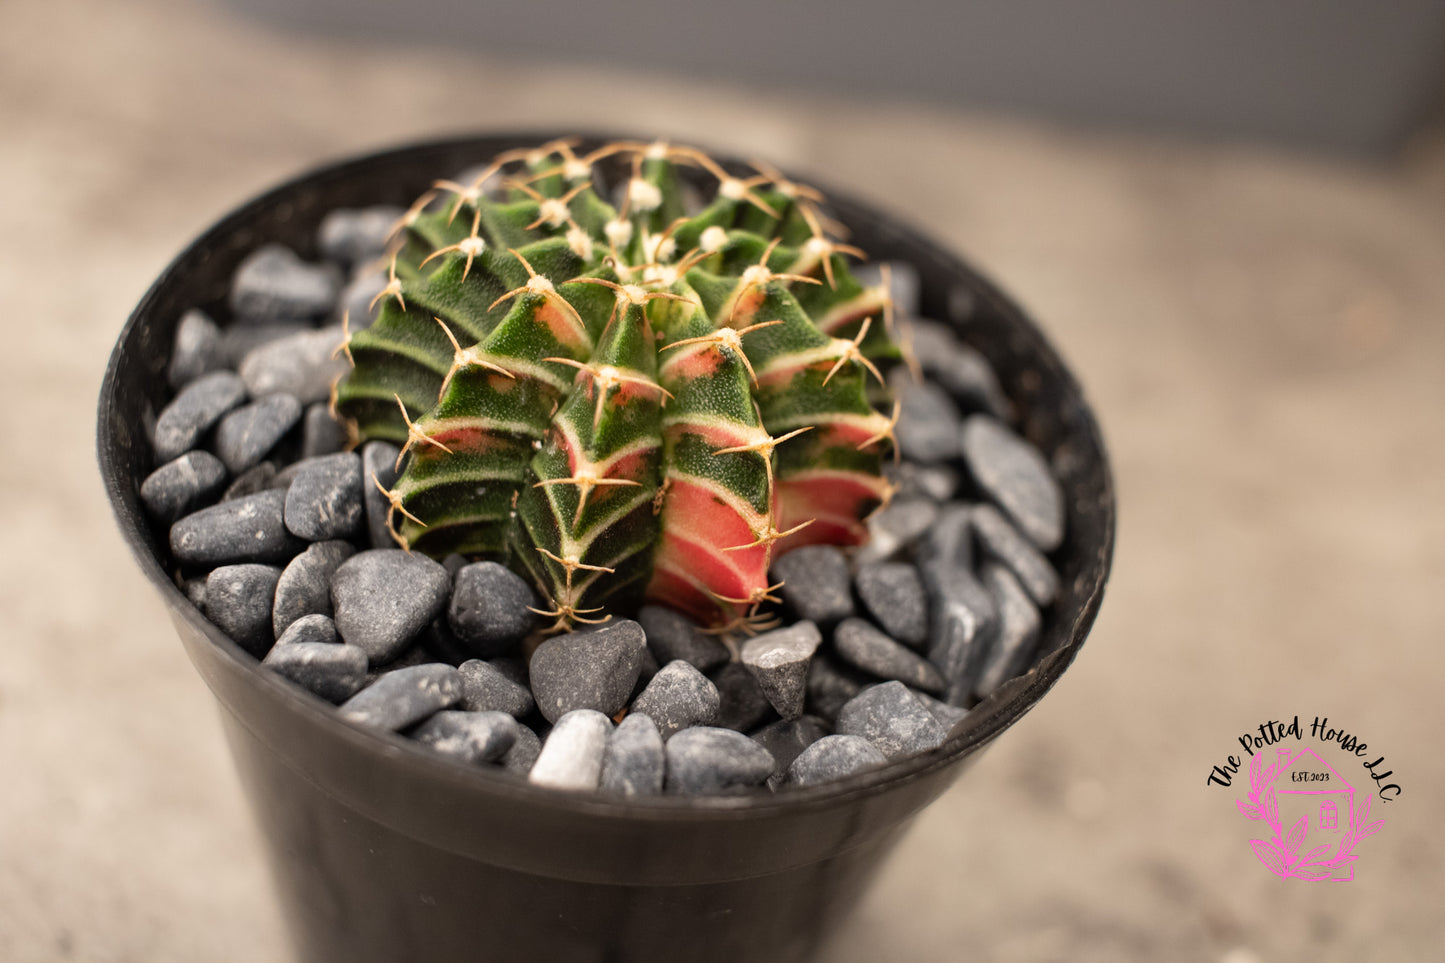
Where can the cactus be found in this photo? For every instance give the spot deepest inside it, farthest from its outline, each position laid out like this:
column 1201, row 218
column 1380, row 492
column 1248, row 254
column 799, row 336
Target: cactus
column 645, row 400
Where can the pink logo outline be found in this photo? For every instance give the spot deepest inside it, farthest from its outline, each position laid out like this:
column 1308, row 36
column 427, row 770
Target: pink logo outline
column 1280, row 854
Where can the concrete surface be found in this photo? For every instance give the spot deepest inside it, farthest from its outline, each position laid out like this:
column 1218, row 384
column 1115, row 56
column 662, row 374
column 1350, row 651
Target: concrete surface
column 1261, row 333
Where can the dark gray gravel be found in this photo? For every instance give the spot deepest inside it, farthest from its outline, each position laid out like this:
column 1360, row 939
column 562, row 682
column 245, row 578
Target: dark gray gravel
column 948, row 716
column 863, row 646
column 832, row 758
column 305, row 586
column 302, row 365
column 321, row 434
column 250, row 529
column 384, row 598
column 472, row 737
column 358, row 298
column 179, row 486
column 892, row 592
column 815, row 583
column 324, row 500
column 245, row 435
column 1016, row 477
column 1018, row 629
column 196, row 351
column 378, row 463
column 333, row 672
column 962, row 371
column 238, row 600
column 239, row 340
column 404, row 697
column 274, row 285
column 488, row 610
column 938, row 482
column 948, row 544
column 892, row 718
column 587, row 670
column 524, row 752
column 353, row 235
column 634, row 761
column 962, row 625
column 779, row 661
column 677, row 697
column 571, row 756
column 786, row 739
column 743, row 704
column 191, row 413
column 672, row 635
column 255, row 479
column 310, row 628
column 896, row 527
column 904, row 285
column 1000, row 541
column 704, row 759
column 928, row 420
column 485, row 689
column 831, row 685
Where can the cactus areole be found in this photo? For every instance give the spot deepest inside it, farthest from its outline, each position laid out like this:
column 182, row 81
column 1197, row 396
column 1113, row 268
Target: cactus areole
column 624, row 384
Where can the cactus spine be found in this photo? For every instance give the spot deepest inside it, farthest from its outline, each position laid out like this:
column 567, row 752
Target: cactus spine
column 629, row 401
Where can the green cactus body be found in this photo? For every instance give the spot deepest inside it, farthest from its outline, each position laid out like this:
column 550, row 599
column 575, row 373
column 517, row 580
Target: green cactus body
column 628, row 402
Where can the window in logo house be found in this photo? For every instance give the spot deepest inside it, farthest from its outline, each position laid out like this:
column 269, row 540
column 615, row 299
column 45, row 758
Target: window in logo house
column 1327, row 814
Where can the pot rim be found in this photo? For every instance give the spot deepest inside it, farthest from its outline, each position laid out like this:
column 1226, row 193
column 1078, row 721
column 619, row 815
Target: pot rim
column 983, row 723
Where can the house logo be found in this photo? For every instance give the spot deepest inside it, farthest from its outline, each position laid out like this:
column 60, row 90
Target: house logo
column 1312, row 818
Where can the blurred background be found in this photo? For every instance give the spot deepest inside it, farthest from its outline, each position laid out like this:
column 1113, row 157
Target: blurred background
column 1229, row 216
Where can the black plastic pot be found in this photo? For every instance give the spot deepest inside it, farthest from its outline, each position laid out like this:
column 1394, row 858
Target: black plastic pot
column 383, row 851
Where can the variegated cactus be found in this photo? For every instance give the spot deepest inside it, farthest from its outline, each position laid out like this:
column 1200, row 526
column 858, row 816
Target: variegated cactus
column 641, row 400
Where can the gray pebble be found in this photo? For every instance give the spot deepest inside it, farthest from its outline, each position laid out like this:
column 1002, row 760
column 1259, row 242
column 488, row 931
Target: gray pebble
column 815, row 583
column 513, row 668
column 742, row 704
column 238, row 600
column 961, row 630
column 489, row 608
column 1018, row 630
column 892, row 718
column 488, row 690
column 403, row 697
column 897, row 526
column 786, row 739
column 928, row 420
column 195, row 589
column 587, row 670
column 255, row 479
column 245, row 435
column 524, row 752
column 672, row 635
column 892, row 592
column 959, row 369
column 324, row 501
column 1016, row 477
column 779, row 661
column 830, row 686
column 948, row 716
column 196, row 350
column 178, row 486
column 250, row 529
column 191, row 413
column 677, row 697
column 704, row 759
column 634, row 761
column 302, row 365
column 239, row 340
column 472, row 737
column 938, row 482
column 274, row 285
column 863, row 646
column 333, row 672
column 359, row 305
column 310, row 629
column 378, row 464
column 321, row 434
column 571, row 757
column 947, row 545
column 832, row 758
column 384, row 598
column 904, row 284
column 305, row 586
column 1000, row 541
column 352, row 235
column 412, row 655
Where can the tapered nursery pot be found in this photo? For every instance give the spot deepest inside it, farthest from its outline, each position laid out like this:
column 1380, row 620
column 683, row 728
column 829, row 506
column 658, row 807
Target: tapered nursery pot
column 383, row 851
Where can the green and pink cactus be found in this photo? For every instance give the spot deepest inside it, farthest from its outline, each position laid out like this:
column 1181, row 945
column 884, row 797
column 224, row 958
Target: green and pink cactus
column 640, row 401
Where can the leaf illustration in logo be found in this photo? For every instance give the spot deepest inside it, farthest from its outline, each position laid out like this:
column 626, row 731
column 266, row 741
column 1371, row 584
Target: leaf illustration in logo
column 1256, row 771
column 1314, row 873
column 1266, row 853
column 1249, row 812
column 1271, row 807
column 1372, row 829
column 1316, row 853
column 1296, row 836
